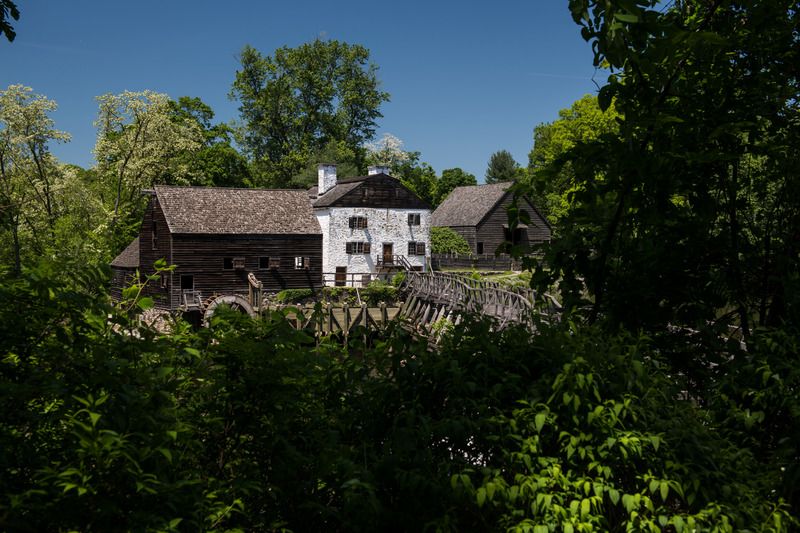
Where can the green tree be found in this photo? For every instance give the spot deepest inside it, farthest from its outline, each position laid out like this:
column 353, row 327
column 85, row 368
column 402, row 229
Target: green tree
column 296, row 101
column 415, row 174
column 583, row 122
column 217, row 163
column 450, row 179
column 447, row 241
column 30, row 177
column 140, row 142
column 502, row 167
column 337, row 152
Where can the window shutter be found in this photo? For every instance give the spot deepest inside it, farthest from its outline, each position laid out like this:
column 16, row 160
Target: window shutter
column 364, row 222
column 420, row 248
column 352, row 222
column 412, row 248
column 306, row 263
column 348, row 247
column 367, row 248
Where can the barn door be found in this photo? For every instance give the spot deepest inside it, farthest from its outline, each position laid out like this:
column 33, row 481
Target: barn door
column 340, row 280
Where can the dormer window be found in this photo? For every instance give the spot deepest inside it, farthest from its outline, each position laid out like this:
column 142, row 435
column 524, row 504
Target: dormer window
column 358, row 222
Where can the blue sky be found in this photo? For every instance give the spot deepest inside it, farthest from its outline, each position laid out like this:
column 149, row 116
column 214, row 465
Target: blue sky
column 466, row 78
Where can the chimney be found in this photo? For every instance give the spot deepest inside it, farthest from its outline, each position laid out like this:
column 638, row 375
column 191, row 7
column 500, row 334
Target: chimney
column 371, row 171
column 326, row 178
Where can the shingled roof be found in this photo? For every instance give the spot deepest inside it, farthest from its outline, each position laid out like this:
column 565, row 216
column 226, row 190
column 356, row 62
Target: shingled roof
column 466, row 206
column 129, row 257
column 218, row 210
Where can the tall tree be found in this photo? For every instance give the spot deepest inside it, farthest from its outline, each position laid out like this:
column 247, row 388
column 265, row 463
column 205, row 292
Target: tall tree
column 583, row 122
column 296, row 101
column 217, row 162
column 139, row 143
column 452, row 178
column 30, row 176
column 696, row 218
column 502, row 167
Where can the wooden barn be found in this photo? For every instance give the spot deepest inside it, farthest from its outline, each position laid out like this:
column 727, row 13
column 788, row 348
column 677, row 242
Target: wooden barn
column 216, row 237
column 479, row 214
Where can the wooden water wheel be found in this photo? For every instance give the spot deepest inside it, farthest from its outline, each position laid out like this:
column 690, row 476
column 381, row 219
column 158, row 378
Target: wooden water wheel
column 233, row 301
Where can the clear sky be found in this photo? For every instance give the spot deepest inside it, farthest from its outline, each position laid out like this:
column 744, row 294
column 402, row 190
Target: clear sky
column 466, row 78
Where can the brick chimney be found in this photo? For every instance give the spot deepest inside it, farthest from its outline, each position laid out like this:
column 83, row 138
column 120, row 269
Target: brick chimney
column 326, row 178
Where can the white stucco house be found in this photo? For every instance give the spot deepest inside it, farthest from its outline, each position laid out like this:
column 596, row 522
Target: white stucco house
column 371, row 225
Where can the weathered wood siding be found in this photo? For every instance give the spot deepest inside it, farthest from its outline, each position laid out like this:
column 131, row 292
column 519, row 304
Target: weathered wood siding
column 121, row 278
column 202, row 256
column 469, row 234
column 381, row 192
column 149, row 254
column 491, row 229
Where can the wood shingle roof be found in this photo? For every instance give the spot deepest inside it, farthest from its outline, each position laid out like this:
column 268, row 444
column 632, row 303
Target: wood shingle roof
column 129, row 257
column 219, row 210
column 468, row 205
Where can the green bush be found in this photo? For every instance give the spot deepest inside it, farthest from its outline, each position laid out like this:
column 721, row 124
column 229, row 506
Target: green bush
column 293, row 295
column 340, row 295
column 447, row 241
column 378, row 291
column 398, row 279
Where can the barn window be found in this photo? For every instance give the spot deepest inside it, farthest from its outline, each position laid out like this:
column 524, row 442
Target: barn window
column 413, row 219
column 358, row 222
column 154, row 235
column 227, row 263
column 187, row 282
column 357, row 247
column 263, row 263
column 416, row 248
column 274, row 263
column 302, row 263
column 238, row 263
column 480, row 248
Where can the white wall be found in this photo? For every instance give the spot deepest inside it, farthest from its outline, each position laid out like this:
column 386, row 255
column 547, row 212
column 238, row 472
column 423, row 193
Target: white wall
column 383, row 226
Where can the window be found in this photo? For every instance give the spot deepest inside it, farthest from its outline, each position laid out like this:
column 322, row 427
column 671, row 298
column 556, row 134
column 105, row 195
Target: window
column 413, row 219
column 416, row 248
column 263, row 263
column 227, row 263
column 274, row 263
column 357, row 248
column 302, row 263
column 154, row 235
column 358, row 222
column 187, row 282
column 480, row 248
column 238, row 263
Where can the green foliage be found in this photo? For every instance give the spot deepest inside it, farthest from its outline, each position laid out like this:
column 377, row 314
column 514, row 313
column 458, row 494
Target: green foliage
column 452, row 178
column 253, row 425
column 398, row 279
column 378, row 291
column 583, row 122
column 502, row 167
column 447, row 241
column 8, row 10
column 338, row 152
column 294, row 295
column 297, row 101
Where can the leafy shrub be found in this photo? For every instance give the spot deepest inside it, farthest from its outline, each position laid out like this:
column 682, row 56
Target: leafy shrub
column 293, row 295
column 398, row 279
column 340, row 295
column 378, row 291
column 447, row 241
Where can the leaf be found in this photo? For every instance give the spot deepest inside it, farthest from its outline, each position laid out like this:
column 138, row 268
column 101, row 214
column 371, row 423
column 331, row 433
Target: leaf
column 539, row 421
column 627, row 501
column 145, row 303
column 585, row 507
column 95, row 417
column 626, row 17
column 166, row 453
column 481, row 496
column 613, row 495
column 664, row 488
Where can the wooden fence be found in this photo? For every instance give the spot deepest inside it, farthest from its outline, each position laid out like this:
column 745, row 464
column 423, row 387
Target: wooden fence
column 475, row 262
